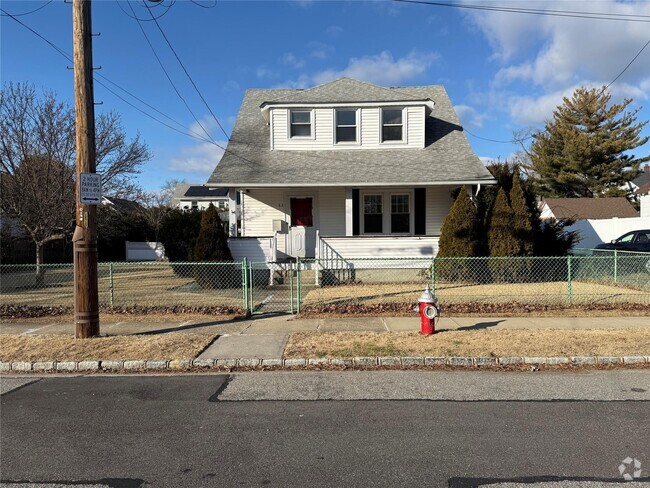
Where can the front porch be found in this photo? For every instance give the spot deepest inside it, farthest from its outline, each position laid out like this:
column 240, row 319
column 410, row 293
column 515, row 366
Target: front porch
column 330, row 223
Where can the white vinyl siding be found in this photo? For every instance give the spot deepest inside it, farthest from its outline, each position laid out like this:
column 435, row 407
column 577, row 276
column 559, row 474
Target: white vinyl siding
column 439, row 203
column 261, row 208
column 332, row 211
column 369, row 130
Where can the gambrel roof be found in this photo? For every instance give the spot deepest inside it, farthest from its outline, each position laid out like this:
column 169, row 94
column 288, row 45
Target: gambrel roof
column 447, row 157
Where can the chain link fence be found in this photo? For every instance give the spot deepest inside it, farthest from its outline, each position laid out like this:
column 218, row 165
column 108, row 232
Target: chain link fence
column 585, row 278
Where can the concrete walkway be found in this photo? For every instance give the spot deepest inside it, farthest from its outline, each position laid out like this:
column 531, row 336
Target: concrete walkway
column 266, row 336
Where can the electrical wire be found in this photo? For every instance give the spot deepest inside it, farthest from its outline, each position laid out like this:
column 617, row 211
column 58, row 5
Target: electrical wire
column 30, row 12
column 162, row 66
column 530, row 11
column 135, row 17
column 191, row 133
column 214, row 4
column 189, row 77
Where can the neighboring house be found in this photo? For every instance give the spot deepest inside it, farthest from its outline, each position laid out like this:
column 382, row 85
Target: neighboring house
column 586, row 208
column 346, row 169
column 199, row 197
column 641, row 181
column 598, row 220
column 121, row 204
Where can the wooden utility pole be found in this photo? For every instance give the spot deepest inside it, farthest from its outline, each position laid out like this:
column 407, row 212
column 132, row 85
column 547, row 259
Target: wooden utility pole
column 86, row 300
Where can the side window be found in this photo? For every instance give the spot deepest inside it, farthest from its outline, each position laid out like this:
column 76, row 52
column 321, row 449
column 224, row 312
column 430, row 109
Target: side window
column 643, row 237
column 300, row 123
column 391, row 125
column 626, row 238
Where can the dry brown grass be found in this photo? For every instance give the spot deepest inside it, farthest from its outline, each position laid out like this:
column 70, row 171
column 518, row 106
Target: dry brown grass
column 174, row 345
column 534, row 293
column 126, row 318
column 484, row 343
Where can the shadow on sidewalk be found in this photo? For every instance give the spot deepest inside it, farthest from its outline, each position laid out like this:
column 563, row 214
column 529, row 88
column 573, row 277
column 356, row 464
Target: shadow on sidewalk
column 477, row 326
column 200, row 325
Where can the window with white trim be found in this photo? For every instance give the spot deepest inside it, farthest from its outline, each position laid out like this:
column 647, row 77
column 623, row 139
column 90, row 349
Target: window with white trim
column 400, row 214
column 373, row 214
column 346, row 126
column 391, row 125
column 300, row 121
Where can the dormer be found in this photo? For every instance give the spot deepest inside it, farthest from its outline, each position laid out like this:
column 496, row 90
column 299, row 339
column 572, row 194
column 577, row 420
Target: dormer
column 347, row 114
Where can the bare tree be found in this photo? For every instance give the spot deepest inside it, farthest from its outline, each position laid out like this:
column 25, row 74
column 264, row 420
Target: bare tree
column 37, row 161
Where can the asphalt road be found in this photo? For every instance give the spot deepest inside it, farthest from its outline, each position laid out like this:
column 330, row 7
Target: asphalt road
column 178, row 431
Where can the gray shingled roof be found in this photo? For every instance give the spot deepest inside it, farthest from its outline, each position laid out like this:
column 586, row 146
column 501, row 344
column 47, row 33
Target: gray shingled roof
column 446, row 158
column 346, row 90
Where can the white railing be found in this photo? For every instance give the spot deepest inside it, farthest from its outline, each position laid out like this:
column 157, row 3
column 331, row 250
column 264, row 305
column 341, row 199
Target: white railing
column 355, row 250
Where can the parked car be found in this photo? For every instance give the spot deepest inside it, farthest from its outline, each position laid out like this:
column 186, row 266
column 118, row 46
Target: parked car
column 637, row 241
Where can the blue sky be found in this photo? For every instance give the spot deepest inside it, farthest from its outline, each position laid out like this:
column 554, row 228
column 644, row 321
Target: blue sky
column 503, row 71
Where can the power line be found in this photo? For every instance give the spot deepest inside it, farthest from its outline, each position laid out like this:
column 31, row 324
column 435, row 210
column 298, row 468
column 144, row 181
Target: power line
column 69, row 58
column 169, row 77
column 30, row 12
column 135, row 17
column 531, row 11
column 193, row 134
column 188, row 76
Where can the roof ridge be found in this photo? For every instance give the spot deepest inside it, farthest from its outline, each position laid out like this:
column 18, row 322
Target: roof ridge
column 391, row 90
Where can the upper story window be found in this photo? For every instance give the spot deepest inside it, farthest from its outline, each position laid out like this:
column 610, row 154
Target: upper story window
column 300, row 123
column 346, row 126
column 391, row 125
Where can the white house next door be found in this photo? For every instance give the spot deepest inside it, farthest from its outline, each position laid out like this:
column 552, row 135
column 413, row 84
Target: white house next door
column 302, row 233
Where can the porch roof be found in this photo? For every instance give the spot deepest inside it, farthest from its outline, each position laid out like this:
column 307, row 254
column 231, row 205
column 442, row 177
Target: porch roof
column 447, row 157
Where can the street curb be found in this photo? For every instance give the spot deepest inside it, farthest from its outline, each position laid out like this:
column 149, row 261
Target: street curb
column 366, row 362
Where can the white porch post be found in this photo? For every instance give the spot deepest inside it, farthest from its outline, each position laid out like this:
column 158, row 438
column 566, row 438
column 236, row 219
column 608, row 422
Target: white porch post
column 232, row 212
column 348, row 211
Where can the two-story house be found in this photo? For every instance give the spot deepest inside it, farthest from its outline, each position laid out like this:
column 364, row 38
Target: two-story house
column 345, row 169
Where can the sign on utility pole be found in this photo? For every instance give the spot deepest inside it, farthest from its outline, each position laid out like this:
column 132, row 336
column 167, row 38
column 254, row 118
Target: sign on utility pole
column 86, row 300
column 90, row 188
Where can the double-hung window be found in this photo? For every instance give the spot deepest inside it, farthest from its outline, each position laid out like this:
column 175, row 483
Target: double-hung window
column 300, row 123
column 400, row 214
column 373, row 214
column 391, row 125
column 346, row 126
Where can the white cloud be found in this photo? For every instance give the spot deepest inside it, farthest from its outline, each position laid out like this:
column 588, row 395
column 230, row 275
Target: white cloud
column 381, row 68
column 334, row 30
column 200, row 158
column 264, row 72
column 565, row 50
column 320, row 50
column 290, row 59
column 469, row 116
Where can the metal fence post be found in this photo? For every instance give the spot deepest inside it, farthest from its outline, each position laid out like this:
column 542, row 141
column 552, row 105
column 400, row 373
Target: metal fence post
column 298, row 285
column 111, row 287
column 615, row 266
column 244, row 284
column 433, row 275
column 569, row 290
column 291, row 286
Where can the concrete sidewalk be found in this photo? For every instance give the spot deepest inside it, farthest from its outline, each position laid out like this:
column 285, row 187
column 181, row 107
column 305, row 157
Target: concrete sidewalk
column 266, row 336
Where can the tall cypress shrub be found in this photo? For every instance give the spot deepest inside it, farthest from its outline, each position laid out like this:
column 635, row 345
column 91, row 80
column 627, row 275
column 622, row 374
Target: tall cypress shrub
column 459, row 238
column 212, row 246
column 501, row 241
column 522, row 226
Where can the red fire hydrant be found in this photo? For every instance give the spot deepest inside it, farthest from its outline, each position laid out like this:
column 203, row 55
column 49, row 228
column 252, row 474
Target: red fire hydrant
column 428, row 312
